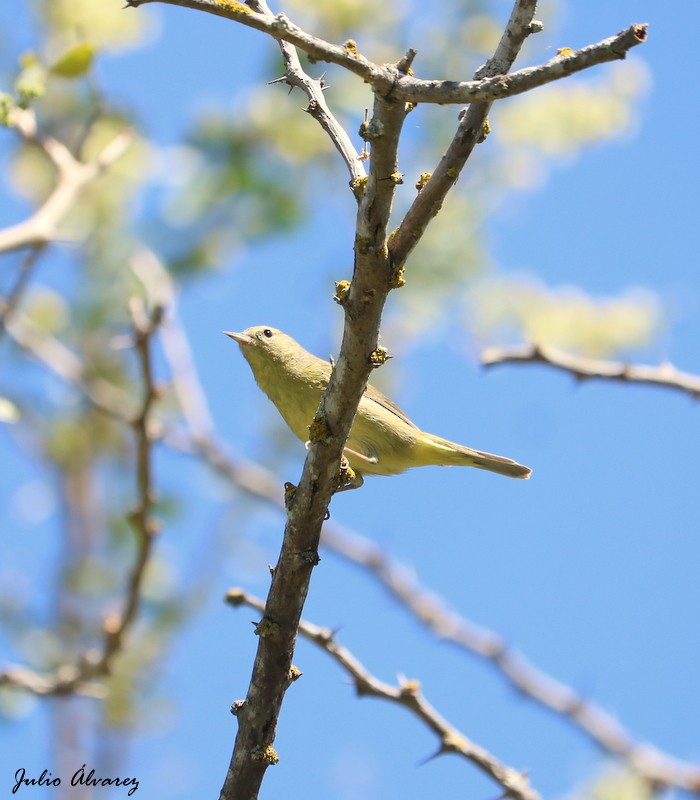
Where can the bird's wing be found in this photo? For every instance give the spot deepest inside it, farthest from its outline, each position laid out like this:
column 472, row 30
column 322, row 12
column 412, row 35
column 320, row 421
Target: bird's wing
column 377, row 397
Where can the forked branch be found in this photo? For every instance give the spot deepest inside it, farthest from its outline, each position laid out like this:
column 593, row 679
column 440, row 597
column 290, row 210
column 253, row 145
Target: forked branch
column 72, row 176
column 407, row 694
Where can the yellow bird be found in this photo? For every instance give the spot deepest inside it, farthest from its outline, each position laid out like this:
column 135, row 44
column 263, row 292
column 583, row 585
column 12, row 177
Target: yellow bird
column 382, row 441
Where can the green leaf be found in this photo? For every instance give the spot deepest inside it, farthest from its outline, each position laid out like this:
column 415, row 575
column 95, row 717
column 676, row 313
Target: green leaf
column 75, row 61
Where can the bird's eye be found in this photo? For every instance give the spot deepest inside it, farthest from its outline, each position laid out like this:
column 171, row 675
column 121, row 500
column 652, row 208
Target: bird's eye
column 267, row 333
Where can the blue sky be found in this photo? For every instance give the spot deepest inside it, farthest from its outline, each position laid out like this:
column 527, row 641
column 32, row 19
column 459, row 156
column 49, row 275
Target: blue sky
column 589, row 569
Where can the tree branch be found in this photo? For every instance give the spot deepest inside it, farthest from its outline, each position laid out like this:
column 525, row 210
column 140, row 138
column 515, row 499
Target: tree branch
column 525, row 677
column 445, row 623
column 470, row 132
column 372, row 280
column 144, row 525
column 54, row 355
column 408, row 695
column 75, row 678
column 415, row 90
column 318, row 108
column 72, row 176
column 68, row 679
column 665, row 375
column 9, row 303
column 380, row 78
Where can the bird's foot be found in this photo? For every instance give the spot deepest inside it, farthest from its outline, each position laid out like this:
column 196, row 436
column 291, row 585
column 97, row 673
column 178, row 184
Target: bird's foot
column 347, row 477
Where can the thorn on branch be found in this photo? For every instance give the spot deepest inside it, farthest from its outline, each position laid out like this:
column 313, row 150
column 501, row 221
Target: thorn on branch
column 404, row 65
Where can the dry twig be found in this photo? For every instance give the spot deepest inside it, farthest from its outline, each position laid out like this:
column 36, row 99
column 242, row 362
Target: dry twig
column 408, row 695
column 583, row 368
column 431, row 610
column 9, row 303
column 410, row 89
column 142, row 521
column 318, row 108
column 470, row 132
column 77, row 678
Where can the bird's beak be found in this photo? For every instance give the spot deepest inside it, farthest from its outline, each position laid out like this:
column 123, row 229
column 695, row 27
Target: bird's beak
column 241, row 338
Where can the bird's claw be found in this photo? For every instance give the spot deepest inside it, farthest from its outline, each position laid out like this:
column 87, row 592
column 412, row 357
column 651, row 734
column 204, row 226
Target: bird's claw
column 347, row 477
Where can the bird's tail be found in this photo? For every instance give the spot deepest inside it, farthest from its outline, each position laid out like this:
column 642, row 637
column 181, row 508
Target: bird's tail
column 448, row 453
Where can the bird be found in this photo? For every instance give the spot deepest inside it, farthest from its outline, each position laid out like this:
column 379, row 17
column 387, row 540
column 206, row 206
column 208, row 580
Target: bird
column 382, row 440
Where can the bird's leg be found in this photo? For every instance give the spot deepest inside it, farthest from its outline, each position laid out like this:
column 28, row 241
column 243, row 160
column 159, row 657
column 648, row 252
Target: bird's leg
column 347, row 477
column 369, row 460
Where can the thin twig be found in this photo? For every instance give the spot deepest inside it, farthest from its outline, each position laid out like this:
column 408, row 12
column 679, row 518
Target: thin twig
column 184, row 380
column 470, row 132
column 407, row 694
column 582, row 368
column 527, row 679
column 78, row 678
column 410, row 89
column 72, row 176
column 318, row 108
column 14, row 297
column 142, row 521
column 68, row 679
column 106, row 396
column 281, row 27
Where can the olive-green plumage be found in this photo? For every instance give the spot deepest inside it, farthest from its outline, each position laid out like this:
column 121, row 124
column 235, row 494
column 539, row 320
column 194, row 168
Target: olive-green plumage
column 382, row 441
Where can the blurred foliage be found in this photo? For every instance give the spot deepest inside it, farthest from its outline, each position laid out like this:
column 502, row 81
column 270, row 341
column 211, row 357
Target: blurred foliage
column 561, row 119
column 616, row 784
column 522, row 308
column 223, row 177
column 68, row 22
